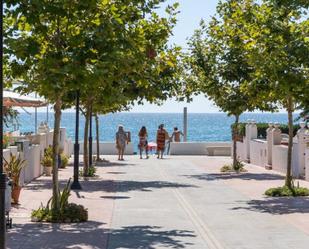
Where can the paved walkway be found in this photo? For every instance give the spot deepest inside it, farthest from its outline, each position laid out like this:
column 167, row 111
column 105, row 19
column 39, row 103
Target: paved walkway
column 178, row 202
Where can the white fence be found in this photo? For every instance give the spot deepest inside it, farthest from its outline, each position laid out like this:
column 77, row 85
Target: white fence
column 201, row 148
column 31, row 148
column 107, row 148
column 272, row 152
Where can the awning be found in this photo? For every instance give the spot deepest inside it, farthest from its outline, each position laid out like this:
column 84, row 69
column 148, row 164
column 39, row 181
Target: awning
column 15, row 99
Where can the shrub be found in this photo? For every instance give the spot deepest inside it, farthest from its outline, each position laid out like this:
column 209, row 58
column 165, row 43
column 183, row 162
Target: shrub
column 285, row 191
column 64, row 160
column 7, row 140
column 68, row 212
column 47, row 161
column 91, row 172
column 239, row 167
column 262, row 128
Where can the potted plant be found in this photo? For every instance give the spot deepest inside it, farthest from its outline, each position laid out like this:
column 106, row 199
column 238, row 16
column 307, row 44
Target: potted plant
column 64, row 160
column 47, row 162
column 13, row 169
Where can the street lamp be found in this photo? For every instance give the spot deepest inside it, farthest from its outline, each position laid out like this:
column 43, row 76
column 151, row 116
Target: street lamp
column 2, row 174
column 76, row 184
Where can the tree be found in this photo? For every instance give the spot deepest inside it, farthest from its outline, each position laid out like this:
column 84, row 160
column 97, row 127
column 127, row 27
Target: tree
column 43, row 41
column 218, row 63
column 134, row 60
column 279, row 55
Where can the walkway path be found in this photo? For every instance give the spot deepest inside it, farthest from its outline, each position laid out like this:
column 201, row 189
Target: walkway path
column 178, row 202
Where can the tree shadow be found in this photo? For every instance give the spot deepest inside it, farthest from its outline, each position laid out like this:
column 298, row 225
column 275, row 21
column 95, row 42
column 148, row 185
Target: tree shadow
column 55, row 236
column 115, row 197
column 242, row 176
column 93, row 235
column 127, row 186
column 148, row 237
column 113, row 164
column 277, row 206
column 116, row 173
column 38, row 185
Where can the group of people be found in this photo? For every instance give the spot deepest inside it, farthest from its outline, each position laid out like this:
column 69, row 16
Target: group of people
column 122, row 138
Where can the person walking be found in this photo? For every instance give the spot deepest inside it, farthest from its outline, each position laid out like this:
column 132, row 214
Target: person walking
column 176, row 135
column 121, row 141
column 143, row 142
column 162, row 136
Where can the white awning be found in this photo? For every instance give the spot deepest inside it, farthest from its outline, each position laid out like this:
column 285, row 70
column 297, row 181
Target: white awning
column 15, row 99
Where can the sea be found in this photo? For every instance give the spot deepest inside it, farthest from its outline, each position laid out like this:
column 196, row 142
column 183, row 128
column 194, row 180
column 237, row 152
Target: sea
column 201, row 126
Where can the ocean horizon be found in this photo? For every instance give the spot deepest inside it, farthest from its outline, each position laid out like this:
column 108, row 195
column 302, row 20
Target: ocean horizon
column 201, row 126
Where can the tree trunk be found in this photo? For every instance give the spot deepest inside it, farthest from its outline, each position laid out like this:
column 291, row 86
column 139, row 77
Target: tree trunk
column 97, row 136
column 288, row 178
column 235, row 141
column 56, row 137
column 86, row 135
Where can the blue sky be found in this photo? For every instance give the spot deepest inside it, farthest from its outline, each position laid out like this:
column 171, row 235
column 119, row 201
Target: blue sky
column 191, row 13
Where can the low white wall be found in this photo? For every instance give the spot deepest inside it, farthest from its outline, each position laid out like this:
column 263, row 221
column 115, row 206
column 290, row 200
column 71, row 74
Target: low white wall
column 280, row 158
column 201, row 148
column 108, row 148
column 68, row 147
column 258, row 152
column 33, row 167
column 307, row 163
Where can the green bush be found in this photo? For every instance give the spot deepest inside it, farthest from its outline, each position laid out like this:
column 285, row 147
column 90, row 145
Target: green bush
column 285, row 191
column 68, row 212
column 239, row 167
column 91, row 171
column 262, row 128
column 64, row 160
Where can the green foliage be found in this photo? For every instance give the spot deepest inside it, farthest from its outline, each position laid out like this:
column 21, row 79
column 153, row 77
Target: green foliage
column 13, row 168
column 47, row 160
column 68, row 212
column 10, row 116
column 91, row 172
column 64, row 160
column 238, row 167
column 262, row 129
column 7, row 140
column 286, row 192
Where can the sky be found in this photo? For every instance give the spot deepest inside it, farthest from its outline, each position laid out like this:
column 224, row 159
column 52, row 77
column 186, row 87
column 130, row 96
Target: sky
column 191, row 13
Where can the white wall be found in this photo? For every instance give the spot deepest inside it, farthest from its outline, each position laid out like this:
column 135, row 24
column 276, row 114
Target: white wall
column 258, row 152
column 280, row 158
column 307, row 163
column 108, row 148
column 201, row 148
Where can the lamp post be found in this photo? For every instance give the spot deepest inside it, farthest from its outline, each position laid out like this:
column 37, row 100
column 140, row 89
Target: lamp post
column 2, row 174
column 76, row 184
column 90, row 138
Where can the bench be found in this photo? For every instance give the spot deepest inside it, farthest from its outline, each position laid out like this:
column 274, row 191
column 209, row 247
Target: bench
column 218, row 151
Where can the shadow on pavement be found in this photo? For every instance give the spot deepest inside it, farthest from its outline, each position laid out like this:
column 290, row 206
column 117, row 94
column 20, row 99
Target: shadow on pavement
column 280, row 205
column 127, row 186
column 92, row 235
column 49, row 236
column 39, row 185
column 113, row 164
column 148, row 237
column 242, row 176
column 115, row 197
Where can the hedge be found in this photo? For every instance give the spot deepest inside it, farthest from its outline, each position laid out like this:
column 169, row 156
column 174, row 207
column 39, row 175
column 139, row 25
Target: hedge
column 262, row 129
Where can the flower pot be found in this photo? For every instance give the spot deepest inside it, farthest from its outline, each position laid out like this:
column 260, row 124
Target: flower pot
column 15, row 194
column 48, row 171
